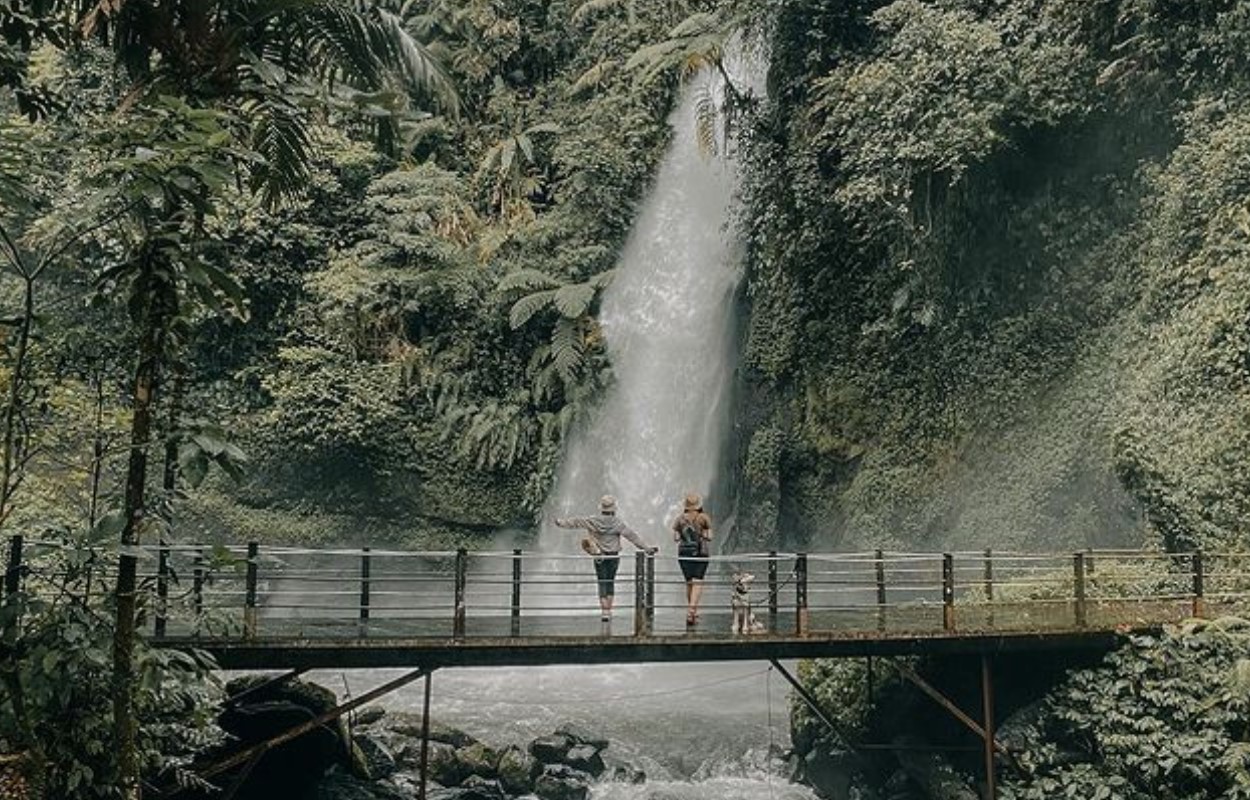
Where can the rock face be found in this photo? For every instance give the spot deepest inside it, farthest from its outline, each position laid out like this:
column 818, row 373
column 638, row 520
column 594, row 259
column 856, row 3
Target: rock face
column 559, row 782
column 264, row 711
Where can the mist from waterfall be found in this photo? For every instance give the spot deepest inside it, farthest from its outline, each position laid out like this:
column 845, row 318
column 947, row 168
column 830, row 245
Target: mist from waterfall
column 668, row 321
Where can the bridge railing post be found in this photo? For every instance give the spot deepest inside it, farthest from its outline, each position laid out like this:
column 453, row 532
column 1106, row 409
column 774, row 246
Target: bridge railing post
column 650, row 593
column 772, row 591
column 460, row 613
column 364, row 586
column 197, row 589
column 948, row 592
column 1078, row 589
column 640, row 594
column 802, row 617
column 249, row 597
column 879, row 569
column 989, row 587
column 1199, row 608
column 516, row 592
column 162, row 591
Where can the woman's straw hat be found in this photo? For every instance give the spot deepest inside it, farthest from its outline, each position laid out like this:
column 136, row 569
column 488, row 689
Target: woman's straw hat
column 607, row 504
column 693, row 502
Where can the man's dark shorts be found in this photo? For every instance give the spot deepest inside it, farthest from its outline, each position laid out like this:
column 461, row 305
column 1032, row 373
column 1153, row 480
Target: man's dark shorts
column 605, row 570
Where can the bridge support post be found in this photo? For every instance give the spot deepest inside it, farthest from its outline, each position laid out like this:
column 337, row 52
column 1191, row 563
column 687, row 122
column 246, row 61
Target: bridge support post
column 249, row 597
column 801, row 615
column 162, row 590
column 1078, row 589
column 459, row 613
column 516, row 592
column 1199, row 578
column 772, row 591
column 948, row 592
column 364, row 589
column 987, row 708
column 425, row 739
column 879, row 565
column 989, row 587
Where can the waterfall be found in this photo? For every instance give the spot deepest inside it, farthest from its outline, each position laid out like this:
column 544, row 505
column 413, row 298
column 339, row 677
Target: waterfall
column 668, row 322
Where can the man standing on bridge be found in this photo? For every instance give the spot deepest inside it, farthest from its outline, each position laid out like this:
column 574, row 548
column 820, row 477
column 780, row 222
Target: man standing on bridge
column 604, row 543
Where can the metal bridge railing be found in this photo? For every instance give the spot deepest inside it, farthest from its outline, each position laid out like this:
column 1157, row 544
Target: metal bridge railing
column 249, row 591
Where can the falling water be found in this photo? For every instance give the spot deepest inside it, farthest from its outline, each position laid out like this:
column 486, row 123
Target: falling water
column 668, row 322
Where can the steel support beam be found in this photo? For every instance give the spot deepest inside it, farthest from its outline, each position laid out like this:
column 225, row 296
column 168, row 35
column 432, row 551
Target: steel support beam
column 987, row 709
column 946, row 703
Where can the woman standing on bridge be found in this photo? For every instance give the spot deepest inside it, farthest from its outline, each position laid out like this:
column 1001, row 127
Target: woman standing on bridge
column 604, row 543
column 692, row 531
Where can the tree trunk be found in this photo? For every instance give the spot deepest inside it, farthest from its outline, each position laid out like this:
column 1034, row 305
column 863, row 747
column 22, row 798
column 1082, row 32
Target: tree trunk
column 125, row 728
column 9, row 477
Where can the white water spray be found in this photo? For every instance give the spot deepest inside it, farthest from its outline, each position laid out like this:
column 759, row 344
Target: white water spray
column 668, row 323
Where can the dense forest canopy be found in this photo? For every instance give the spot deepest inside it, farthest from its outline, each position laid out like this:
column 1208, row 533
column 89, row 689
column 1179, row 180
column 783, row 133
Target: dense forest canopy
column 303, row 271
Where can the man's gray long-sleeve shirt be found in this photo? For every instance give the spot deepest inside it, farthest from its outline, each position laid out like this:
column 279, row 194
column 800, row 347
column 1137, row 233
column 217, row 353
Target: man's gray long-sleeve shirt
column 607, row 531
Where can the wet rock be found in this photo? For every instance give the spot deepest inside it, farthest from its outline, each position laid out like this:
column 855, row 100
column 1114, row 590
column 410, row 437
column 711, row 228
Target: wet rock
column 830, row 773
column 477, row 759
column 560, row 782
column 579, row 735
column 409, row 726
column 482, row 788
column 551, row 749
column 342, row 786
column 409, row 784
column 586, row 758
column 517, row 770
column 625, row 773
column 445, row 766
column 370, row 716
column 379, row 762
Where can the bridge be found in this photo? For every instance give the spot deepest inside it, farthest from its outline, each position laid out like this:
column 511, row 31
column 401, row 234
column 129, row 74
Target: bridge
column 266, row 607
column 254, row 607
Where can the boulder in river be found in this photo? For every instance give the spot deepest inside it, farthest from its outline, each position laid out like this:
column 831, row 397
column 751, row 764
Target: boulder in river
column 586, row 758
column 517, row 770
column 579, row 735
column 477, row 759
column 560, row 782
column 378, row 760
column 551, row 749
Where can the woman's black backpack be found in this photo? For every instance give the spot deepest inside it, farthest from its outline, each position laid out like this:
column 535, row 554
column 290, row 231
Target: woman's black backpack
column 690, row 541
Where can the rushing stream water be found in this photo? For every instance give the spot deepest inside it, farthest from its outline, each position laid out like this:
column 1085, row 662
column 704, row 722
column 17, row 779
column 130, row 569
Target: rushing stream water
column 700, row 731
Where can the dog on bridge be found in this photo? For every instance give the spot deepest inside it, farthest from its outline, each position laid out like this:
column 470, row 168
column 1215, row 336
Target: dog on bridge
column 744, row 620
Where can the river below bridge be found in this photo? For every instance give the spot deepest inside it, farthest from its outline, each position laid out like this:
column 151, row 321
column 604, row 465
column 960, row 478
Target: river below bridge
column 712, row 731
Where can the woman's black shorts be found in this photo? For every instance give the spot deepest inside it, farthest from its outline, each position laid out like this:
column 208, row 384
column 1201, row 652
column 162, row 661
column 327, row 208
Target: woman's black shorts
column 693, row 568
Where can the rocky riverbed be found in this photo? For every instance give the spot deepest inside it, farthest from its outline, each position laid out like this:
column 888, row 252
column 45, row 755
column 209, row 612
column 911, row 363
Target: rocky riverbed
column 377, row 755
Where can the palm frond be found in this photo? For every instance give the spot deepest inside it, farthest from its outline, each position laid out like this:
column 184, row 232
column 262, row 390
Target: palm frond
column 279, row 135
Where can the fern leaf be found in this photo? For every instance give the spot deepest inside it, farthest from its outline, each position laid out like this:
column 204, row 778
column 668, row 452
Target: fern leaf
column 523, row 310
column 567, row 349
column 591, row 79
column 526, row 279
column 582, row 12
column 574, row 301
